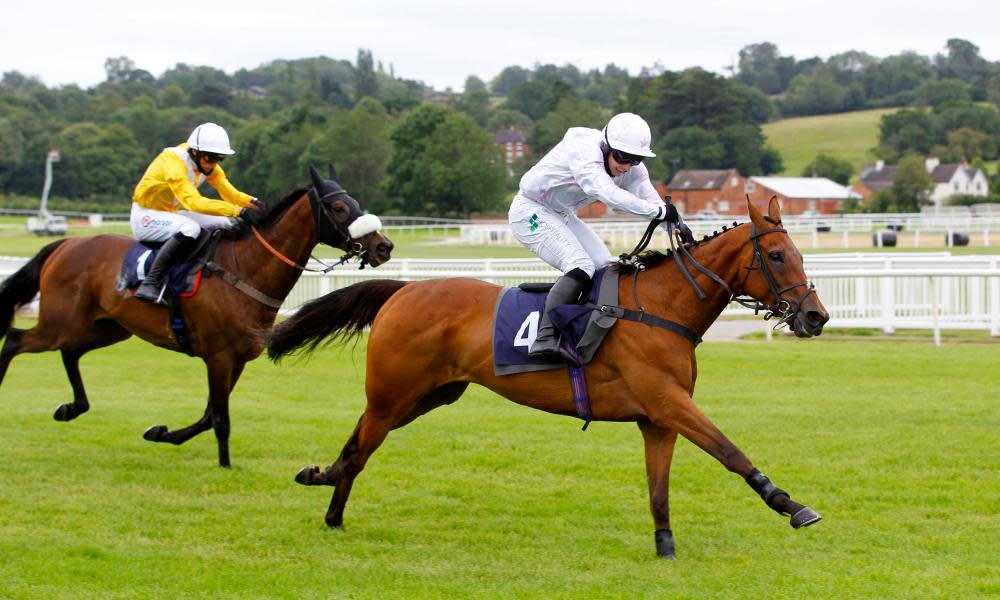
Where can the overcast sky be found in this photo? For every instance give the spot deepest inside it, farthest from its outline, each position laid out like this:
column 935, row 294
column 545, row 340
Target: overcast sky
column 441, row 42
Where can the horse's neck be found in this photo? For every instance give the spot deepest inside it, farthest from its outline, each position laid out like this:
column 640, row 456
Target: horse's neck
column 721, row 255
column 292, row 236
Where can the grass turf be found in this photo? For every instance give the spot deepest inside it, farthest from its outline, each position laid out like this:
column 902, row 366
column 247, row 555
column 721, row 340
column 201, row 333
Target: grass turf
column 893, row 443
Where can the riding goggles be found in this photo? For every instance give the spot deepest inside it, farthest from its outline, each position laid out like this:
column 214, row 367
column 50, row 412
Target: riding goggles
column 212, row 157
column 624, row 158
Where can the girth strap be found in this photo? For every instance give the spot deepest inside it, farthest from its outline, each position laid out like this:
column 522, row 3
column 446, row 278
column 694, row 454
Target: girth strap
column 643, row 317
column 239, row 284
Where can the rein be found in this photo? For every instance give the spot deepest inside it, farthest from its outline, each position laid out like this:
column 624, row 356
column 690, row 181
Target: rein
column 780, row 308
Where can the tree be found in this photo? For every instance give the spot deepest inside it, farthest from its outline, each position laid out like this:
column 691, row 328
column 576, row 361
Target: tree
column 830, row 167
column 934, row 92
column 758, row 67
column 967, row 145
column 509, row 79
column 475, row 101
column 911, row 184
column 365, row 83
column 442, row 163
column 905, row 131
column 357, row 143
column 690, row 148
column 570, row 112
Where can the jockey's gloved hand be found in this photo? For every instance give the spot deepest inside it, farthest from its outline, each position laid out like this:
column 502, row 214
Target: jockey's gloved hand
column 251, row 214
column 670, row 214
column 685, row 234
column 260, row 205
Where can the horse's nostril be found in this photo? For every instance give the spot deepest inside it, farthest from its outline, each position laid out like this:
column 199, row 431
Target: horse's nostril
column 817, row 318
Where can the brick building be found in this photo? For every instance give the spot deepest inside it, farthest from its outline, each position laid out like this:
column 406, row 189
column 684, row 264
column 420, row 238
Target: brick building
column 695, row 190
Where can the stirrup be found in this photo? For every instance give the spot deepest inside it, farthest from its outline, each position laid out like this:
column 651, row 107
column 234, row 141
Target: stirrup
column 155, row 296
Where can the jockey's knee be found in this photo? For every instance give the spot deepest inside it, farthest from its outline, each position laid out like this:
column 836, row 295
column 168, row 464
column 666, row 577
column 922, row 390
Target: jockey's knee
column 189, row 229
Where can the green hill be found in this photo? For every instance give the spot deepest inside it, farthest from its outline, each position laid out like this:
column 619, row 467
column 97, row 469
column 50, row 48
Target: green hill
column 848, row 136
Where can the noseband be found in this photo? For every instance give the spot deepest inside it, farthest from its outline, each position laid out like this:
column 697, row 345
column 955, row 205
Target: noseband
column 785, row 310
column 354, row 247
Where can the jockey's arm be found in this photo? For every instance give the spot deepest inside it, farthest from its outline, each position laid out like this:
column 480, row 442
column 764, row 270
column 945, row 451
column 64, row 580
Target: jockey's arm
column 227, row 191
column 595, row 182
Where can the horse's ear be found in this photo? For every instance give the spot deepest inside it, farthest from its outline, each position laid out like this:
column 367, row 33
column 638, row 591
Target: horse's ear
column 755, row 215
column 333, row 172
column 317, row 181
column 774, row 210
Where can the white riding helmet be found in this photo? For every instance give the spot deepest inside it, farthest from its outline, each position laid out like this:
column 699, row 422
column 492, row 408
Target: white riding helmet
column 209, row 137
column 629, row 133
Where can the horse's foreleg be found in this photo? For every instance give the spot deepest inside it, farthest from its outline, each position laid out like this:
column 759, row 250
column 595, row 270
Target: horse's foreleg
column 679, row 412
column 659, row 445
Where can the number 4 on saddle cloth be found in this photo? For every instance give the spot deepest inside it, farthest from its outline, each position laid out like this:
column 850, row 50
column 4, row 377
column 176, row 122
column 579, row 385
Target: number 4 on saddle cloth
column 519, row 310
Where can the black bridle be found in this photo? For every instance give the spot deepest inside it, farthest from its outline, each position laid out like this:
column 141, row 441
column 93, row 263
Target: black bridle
column 354, row 246
column 782, row 308
column 785, row 310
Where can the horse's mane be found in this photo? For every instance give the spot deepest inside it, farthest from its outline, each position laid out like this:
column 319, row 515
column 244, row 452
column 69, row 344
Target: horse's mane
column 651, row 258
column 271, row 214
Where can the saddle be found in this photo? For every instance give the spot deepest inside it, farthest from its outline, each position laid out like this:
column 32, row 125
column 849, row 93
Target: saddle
column 518, row 312
column 183, row 280
column 184, row 277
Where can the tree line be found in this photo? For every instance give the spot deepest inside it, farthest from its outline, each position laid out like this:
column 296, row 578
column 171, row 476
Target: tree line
column 403, row 148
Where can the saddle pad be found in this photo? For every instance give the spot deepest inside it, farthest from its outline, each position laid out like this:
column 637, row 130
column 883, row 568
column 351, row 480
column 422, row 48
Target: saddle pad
column 139, row 259
column 517, row 314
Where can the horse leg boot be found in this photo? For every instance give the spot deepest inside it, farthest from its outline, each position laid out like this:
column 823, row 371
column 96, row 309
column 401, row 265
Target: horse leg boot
column 566, row 290
column 780, row 502
column 173, row 249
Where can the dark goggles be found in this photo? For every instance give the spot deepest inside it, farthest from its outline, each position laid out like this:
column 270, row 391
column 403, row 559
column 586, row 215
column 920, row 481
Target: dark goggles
column 624, row 158
column 212, row 157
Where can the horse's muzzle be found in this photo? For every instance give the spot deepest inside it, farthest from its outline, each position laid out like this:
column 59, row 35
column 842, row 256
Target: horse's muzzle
column 379, row 249
column 809, row 322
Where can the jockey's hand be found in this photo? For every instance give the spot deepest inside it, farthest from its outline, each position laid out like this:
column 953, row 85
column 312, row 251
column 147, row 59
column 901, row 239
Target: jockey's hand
column 670, row 214
column 251, row 214
column 259, row 204
column 685, row 234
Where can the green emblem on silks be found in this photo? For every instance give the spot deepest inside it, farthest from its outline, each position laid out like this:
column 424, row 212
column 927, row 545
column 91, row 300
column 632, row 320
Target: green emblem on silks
column 533, row 222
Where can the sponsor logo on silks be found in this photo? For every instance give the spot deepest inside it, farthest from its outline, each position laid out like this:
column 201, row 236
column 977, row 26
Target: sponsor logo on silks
column 148, row 221
column 533, row 223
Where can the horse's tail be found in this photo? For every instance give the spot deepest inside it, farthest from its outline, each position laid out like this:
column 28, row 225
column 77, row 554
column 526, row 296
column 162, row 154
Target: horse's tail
column 343, row 313
column 21, row 287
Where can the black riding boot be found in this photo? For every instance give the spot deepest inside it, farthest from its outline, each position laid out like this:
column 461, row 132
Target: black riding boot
column 173, row 250
column 566, row 290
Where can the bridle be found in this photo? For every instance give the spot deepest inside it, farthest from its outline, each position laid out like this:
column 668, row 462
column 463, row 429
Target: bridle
column 323, row 222
column 785, row 310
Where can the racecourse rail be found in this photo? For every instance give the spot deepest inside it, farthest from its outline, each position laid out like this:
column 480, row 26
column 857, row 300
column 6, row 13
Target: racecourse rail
column 932, row 290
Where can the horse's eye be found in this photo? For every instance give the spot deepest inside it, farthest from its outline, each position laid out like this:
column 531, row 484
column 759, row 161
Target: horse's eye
column 339, row 208
column 776, row 256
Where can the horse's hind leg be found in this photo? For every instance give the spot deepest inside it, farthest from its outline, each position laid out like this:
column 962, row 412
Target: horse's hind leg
column 100, row 335
column 368, row 435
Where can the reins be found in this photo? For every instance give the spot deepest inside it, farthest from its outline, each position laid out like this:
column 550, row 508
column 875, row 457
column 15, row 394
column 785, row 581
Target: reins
column 781, row 308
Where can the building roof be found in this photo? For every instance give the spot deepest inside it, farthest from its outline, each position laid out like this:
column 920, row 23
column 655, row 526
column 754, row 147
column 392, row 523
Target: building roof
column 805, row 187
column 511, row 136
column 690, row 179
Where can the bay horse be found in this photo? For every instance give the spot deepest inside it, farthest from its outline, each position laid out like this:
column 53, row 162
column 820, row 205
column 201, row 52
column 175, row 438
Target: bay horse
column 82, row 307
column 430, row 339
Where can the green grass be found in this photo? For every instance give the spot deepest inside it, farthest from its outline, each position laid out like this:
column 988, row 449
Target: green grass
column 847, row 136
column 894, row 444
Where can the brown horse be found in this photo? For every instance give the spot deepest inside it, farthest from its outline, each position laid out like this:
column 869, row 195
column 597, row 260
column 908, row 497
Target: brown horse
column 430, row 339
column 82, row 307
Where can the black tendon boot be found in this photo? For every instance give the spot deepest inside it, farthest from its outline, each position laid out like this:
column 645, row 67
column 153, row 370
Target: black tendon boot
column 172, row 251
column 566, row 290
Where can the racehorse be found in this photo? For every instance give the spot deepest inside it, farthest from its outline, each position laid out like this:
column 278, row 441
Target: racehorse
column 430, row 339
column 82, row 307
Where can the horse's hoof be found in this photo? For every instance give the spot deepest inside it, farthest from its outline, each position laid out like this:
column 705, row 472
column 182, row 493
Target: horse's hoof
column 155, row 433
column 305, row 476
column 805, row 517
column 64, row 412
column 334, row 522
column 665, row 544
